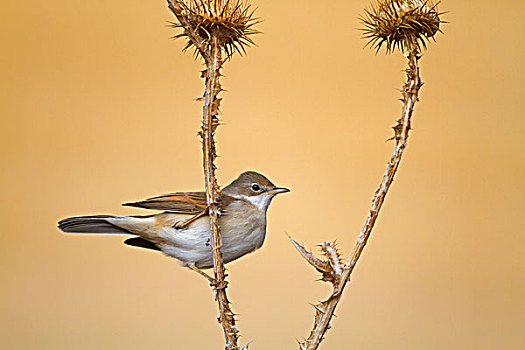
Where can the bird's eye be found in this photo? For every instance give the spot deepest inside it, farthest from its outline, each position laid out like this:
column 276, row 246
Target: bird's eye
column 256, row 187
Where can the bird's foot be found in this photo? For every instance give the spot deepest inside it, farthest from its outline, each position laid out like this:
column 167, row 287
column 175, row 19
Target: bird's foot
column 210, row 279
column 184, row 223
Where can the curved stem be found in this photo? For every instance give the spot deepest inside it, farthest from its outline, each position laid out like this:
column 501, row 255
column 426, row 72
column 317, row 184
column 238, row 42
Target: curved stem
column 325, row 310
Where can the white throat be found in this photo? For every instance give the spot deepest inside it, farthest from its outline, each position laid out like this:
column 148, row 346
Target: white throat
column 261, row 201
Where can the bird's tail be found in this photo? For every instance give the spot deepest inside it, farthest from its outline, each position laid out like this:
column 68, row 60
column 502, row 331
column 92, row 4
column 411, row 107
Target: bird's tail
column 91, row 224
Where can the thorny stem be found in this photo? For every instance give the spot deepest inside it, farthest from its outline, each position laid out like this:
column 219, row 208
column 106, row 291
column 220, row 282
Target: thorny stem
column 209, row 124
column 325, row 310
column 211, row 52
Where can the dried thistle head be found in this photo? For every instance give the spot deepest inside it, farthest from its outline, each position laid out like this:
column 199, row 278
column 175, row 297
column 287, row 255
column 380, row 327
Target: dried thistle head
column 229, row 21
column 401, row 23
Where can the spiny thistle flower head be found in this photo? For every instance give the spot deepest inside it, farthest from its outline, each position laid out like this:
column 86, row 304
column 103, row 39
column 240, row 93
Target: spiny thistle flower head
column 399, row 23
column 230, row 21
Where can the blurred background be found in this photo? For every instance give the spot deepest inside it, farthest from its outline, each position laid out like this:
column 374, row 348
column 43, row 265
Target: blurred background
column 97, row 107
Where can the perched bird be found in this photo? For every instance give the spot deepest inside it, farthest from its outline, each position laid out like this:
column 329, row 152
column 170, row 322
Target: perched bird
column 183, row 231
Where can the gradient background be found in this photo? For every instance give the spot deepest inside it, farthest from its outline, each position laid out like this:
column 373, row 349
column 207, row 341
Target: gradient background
column 96, row 106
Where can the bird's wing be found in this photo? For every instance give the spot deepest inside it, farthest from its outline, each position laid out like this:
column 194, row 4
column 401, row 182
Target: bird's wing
column 178, row 202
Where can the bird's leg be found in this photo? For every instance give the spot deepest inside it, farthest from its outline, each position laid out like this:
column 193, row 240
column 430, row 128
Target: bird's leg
column 212, row 280
column 182, row 224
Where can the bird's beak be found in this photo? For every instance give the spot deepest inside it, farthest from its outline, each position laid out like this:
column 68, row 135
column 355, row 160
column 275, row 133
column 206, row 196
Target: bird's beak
column 277, row 190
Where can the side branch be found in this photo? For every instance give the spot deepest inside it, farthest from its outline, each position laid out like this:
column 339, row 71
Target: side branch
column 325, row 310
column 181, row 12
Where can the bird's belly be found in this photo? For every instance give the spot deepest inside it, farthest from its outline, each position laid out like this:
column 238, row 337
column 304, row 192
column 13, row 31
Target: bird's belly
column 192, row 244
column 241, row 243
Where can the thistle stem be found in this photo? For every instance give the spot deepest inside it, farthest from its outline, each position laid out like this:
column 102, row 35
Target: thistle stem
column 211, row 52
column 209, row 124
column 410, row 91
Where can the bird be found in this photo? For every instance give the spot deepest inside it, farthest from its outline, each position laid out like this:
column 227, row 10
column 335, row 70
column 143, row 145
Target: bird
column 182, row 230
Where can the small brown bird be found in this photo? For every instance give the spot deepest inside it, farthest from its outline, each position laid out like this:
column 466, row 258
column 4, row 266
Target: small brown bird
column 183, row 230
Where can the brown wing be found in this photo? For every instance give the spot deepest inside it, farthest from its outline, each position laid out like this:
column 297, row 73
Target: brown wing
column 178, row 202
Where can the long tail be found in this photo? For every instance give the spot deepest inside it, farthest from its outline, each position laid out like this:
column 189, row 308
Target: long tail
column 90, row 224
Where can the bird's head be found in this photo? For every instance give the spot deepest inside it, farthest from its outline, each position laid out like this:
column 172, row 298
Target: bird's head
column 255, row 188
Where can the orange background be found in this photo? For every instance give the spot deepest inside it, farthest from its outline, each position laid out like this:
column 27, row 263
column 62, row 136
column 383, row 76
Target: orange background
column 97, row 110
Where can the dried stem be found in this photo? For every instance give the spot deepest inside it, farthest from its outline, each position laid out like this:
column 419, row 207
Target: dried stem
column 210, row 50
column 325, row 310
column 209, row 124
